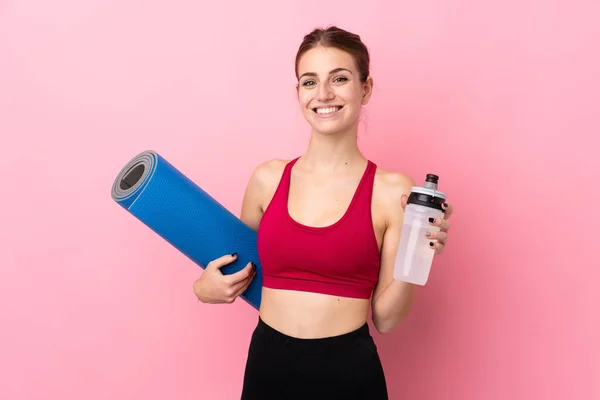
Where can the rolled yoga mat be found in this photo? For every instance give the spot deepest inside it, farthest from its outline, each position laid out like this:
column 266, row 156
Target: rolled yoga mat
column 186, row 216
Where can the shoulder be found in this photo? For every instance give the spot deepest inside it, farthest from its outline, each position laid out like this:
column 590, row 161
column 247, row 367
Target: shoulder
column 259, row 190
column 388, row 189
column 392, row 185
column 268, row 172
column 264, row 180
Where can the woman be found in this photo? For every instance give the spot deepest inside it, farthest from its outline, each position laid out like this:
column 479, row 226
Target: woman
column 328, row 227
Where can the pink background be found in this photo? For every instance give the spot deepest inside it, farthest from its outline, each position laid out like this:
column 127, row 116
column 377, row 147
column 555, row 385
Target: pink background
column 500, row 98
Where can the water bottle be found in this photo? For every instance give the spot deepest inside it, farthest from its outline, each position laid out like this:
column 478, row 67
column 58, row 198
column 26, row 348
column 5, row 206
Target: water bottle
column 414, row 255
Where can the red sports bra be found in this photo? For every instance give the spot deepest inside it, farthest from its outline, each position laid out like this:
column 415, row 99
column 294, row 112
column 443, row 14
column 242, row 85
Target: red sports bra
column 341, row 259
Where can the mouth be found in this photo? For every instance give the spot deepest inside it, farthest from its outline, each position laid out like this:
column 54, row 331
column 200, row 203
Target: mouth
column 327, row 111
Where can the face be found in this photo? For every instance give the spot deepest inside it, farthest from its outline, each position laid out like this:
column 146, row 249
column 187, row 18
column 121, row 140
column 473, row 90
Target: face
column 330, row 92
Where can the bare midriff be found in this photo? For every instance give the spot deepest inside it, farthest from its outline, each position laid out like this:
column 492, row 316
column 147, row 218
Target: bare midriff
column 310, row 315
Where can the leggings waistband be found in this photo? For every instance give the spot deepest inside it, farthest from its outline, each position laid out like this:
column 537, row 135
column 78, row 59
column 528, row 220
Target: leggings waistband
column 345, row 340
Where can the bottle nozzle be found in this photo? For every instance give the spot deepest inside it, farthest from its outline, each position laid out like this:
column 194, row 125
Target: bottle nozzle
column 432, row 178
column 431, row 181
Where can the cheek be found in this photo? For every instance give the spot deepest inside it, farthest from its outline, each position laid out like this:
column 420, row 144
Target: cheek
column 304, row 99
column 351, row 95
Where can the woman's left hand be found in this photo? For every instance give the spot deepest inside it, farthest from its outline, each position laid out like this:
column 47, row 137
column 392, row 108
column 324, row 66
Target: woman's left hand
column 440, row 236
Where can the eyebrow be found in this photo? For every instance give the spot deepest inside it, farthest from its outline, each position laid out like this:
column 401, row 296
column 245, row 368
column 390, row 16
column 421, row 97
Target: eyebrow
column 333, row 71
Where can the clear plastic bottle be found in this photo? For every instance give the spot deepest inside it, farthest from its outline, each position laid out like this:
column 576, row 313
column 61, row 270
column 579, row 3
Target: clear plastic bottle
column 414, row 255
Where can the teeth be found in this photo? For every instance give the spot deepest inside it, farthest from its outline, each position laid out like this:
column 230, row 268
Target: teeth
column 328, row 110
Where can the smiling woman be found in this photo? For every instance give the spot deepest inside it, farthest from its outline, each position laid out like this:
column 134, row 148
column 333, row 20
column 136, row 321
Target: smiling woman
column 332, row 68
column 328, row 227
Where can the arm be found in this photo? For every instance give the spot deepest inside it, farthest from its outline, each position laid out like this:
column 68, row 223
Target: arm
column 259, row 191
column 213, row 286
column 252, row 211
column 392, row 299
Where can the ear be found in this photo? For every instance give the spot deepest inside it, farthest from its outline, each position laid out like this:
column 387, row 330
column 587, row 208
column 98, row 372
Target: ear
column 367, row 90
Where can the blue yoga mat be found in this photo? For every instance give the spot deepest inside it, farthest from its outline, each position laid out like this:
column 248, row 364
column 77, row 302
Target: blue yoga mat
column 186, row 216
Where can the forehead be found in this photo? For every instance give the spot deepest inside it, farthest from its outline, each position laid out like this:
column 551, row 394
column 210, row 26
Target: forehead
column 323, row 59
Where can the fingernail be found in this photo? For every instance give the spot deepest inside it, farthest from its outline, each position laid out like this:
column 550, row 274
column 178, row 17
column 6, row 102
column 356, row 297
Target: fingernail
column 445, row 205
column 428, row 234
column 431, row 244
column 253, row 265
column 234, row 254
column 432, row 220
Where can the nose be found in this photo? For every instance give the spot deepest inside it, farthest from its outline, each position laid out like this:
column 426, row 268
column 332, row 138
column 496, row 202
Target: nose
column 325, row 93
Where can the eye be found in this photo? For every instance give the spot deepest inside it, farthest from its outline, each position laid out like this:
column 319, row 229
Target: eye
column 340, row 79
column 308, row 83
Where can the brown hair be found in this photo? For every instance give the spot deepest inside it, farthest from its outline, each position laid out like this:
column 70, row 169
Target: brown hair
column 340, row 39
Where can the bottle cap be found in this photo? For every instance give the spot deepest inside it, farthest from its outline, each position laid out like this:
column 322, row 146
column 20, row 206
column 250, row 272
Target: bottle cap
column 427, row 195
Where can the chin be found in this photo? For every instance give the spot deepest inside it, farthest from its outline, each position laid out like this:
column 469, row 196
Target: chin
column 329, row 130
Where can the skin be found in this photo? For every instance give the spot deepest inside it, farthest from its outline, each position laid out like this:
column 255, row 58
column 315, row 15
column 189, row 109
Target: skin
column 323, row 182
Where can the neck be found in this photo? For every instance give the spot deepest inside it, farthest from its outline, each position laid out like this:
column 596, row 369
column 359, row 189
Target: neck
column 328, row 152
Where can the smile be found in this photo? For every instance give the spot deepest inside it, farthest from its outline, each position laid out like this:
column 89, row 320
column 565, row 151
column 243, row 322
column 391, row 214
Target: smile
column 327, row 111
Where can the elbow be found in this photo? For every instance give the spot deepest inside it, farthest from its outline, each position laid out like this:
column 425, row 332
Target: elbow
column 387, row 324
column 383, row 329
column 388, row 312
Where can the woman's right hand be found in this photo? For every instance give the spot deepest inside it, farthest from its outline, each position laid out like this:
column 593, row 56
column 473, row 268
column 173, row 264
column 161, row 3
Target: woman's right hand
column 215, row 288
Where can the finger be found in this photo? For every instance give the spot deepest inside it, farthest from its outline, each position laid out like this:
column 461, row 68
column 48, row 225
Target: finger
column 440, row 236
column 222, row 261
column 448, row 209
column 242, row 286
column 440, row 248
column 442, row 223
column 241, row 274
column 437, row 247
